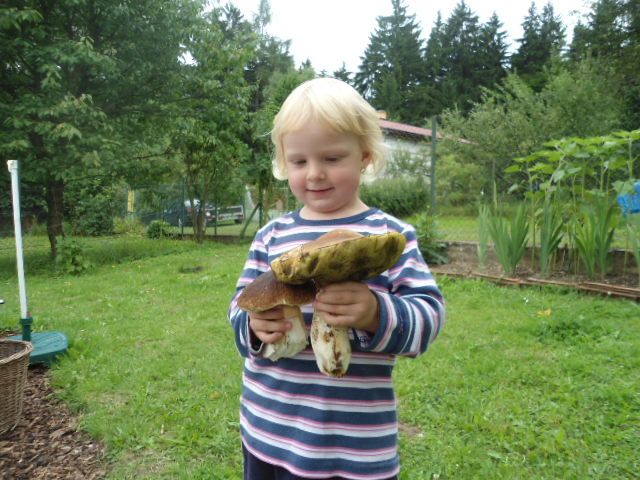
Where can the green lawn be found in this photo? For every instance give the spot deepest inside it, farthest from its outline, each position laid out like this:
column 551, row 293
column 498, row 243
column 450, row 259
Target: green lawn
column 522, row 384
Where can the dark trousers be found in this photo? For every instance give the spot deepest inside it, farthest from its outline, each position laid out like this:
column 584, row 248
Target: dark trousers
column 256, row 469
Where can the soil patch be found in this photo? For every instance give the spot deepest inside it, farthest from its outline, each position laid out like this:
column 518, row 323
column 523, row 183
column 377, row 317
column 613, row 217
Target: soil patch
column 464, row 262
column 46, row 443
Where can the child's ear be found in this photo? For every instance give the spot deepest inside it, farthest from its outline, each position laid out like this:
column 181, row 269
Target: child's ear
column 366, row 159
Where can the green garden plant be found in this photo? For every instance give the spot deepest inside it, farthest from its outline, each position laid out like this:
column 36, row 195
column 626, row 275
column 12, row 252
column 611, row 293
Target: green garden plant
column 593, row 235
column 158, row 229
column 484, row 213
column 509, row 238
column 397, row 196
column 129, row 225
column 432, row 247
column 551, row 233
column 72, row 257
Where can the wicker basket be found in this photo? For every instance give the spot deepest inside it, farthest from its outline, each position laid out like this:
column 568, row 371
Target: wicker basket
column 14, row 360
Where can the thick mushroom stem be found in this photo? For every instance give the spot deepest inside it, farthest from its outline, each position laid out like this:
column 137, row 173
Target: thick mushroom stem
column 293, row 341
column 331, row 346
column 265, row 293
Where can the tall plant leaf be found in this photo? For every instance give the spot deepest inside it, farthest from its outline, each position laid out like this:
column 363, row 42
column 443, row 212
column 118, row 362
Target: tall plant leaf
column 551, row 233
column 510, row 238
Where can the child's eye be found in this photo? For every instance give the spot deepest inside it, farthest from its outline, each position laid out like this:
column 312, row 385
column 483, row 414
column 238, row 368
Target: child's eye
column 333, row 158
column 298, row 162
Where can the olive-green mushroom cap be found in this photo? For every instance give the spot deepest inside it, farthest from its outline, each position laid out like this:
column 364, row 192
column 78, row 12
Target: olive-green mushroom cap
column 339, row 255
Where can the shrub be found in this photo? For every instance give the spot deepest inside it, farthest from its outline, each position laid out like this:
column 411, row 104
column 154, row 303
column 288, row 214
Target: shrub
column 94, row 216
column 129, row 225
column 397, row 196
column 72, row 257
column 158, row 229
column 433, row 248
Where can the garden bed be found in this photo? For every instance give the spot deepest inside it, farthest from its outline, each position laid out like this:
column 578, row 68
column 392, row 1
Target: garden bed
column 622, row 281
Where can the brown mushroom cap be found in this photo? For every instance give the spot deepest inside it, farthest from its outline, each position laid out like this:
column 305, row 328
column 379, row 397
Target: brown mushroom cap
column 266, row 292
column 338, row 256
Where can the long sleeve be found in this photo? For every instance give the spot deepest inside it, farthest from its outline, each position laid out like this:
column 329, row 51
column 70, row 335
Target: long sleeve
column 412, row 310
column 256, row 263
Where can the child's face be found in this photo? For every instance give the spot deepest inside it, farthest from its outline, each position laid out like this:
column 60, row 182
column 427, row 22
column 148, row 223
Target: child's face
column 323, row 170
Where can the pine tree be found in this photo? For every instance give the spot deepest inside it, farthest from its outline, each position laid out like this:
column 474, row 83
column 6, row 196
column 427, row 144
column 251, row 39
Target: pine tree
column 343, row 74
column 542, row 42
column 462, row 61
column 392, row 70
column 492, row 52
column 435, row 61
column 611, row 35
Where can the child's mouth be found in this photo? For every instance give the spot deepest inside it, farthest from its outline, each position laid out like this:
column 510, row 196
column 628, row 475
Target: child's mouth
column 319, row 191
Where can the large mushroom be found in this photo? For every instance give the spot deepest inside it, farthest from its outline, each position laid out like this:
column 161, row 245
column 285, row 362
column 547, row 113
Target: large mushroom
column 264, row 293
column 337, row 256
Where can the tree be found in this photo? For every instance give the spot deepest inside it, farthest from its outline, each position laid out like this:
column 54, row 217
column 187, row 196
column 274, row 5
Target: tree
column 280, row 86
column 492, row 53
column 540, row 44
column 513, row 120
column 612, row 35
column 272, row 59
column 210, row 121
column 435, row 66
column 80, row 82
column 391, row 75
column 461, row 46
column 462, row 57
column 343, row 74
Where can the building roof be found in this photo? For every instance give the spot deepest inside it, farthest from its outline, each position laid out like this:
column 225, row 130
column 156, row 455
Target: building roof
column 404, row 128
column 389, row 126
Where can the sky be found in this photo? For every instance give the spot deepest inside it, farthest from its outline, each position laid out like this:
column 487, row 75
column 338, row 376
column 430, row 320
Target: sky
column 330, row 32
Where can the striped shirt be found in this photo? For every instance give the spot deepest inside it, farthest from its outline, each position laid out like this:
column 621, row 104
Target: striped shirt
column 316, row 426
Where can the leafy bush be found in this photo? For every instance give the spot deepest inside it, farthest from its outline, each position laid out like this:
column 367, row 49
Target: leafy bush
column 158, row 229
column 92, row 206
column 129, row 225
column 433, row 248
column 72, row 257
column 397, row 196
column 94, row 216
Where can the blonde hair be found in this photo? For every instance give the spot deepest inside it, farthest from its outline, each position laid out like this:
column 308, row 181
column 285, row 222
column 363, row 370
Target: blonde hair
column 341, row 108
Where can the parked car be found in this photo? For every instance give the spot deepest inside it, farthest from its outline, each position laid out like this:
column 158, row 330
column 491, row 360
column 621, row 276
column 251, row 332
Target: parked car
column 173, row 214
column 234, row 213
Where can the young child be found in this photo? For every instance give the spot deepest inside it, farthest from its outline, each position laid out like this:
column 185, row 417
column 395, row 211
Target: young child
column 295, row 421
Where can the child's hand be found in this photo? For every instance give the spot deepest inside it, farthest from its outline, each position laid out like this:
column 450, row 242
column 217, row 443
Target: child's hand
column 348, row 304
column 269, row 326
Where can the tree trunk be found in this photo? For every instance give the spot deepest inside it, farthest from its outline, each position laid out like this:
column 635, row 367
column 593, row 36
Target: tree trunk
column 201, row 225
column 55, row 214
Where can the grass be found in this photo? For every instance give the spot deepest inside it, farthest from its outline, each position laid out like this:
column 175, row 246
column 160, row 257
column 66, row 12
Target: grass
column 538, row 383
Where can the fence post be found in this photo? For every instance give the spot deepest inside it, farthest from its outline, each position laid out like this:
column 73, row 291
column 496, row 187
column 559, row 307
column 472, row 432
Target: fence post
column 182, row 208
column 434, row 136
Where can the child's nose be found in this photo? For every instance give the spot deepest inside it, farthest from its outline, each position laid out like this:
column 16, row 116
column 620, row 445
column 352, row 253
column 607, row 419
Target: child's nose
column 315, row 171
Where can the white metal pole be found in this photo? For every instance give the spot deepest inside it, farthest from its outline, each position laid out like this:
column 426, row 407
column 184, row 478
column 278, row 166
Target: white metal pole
column 15, row 191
